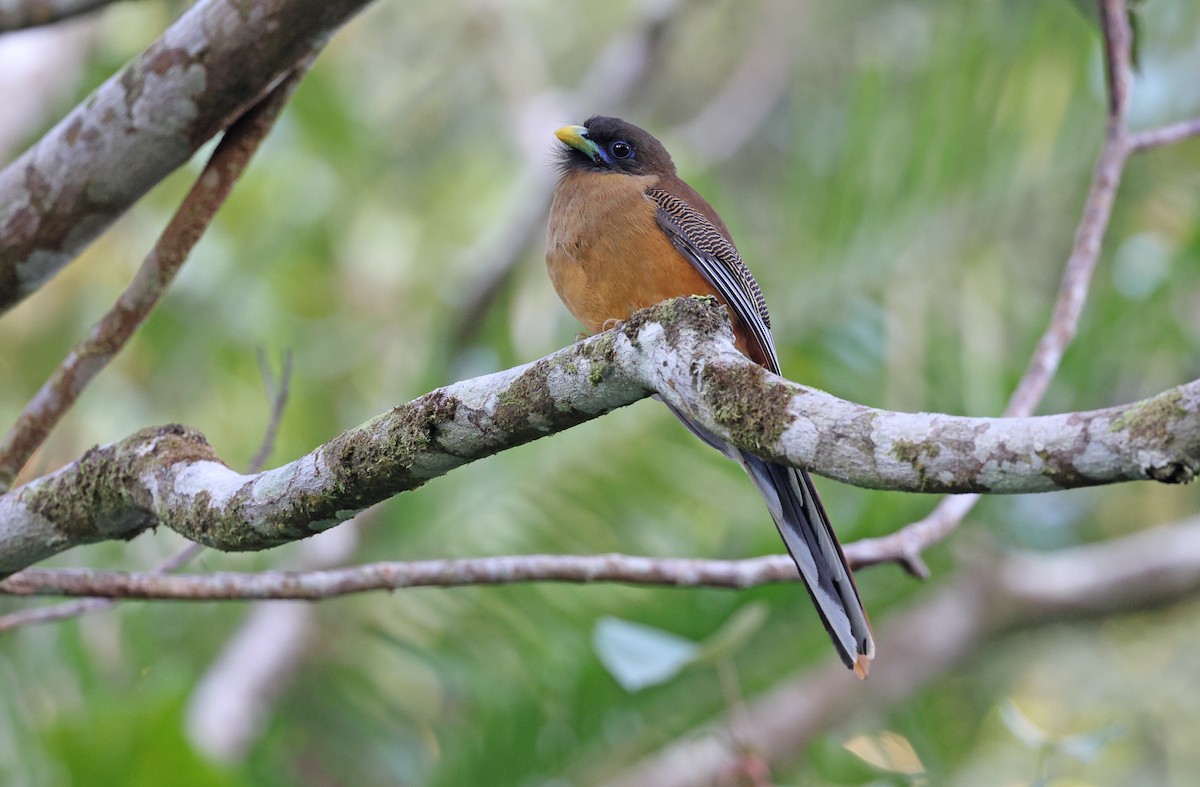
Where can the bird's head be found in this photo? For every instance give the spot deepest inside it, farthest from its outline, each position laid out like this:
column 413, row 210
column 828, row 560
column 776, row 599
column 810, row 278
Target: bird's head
column 607, row 144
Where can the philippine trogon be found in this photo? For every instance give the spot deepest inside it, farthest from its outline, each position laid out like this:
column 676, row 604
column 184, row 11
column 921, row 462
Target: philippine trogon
column 626, row 233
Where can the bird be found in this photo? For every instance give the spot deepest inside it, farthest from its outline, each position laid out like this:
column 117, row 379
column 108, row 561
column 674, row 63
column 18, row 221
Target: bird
column 624, row 233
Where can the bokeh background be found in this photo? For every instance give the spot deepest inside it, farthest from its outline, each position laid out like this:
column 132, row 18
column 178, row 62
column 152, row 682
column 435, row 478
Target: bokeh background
column 904, row 178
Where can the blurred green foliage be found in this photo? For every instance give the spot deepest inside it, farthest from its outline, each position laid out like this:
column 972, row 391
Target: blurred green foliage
column 907, row 204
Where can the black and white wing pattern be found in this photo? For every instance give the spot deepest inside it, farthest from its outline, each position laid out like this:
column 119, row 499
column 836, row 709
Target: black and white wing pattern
column 788, row 491
column 699, row 240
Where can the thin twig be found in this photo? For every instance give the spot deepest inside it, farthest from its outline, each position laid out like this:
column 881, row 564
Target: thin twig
column 1167, row 135
column 911, row 540
column 906, row 544
column 312, row 585
column 1118, row 58
column 1097, row 210
column 54, row 613
column 257, row 661
column 1169, row 553
column 84, row 606
column 91, row 355
column 278, row 391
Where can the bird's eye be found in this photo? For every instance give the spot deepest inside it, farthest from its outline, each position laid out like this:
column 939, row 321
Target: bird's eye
column 621, row 149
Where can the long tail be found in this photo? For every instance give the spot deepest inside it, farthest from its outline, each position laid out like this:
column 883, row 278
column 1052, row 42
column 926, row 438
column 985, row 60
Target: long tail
column 810, row 540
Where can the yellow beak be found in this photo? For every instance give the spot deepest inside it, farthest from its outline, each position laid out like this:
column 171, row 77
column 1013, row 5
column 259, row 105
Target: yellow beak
column 576, row 137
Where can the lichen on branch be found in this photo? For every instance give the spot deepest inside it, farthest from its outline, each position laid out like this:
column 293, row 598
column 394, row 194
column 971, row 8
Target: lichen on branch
column 682, row 350
column 145, row 122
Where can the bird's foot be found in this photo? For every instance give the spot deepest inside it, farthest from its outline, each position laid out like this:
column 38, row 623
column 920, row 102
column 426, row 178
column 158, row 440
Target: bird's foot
column 607, row 325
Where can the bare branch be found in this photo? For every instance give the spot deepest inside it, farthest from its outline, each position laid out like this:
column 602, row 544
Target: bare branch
column 1154, row 566
column 108, row 336
column 1097, row 210
column 682, row 349
column 279, row 390
column 1118, row 59
column 313, row 585
column 143, row 123
column 908, row 542
column 987, row 599
column 85, row 606
column 1167, row 135
column 53, row 613
column 22, row 14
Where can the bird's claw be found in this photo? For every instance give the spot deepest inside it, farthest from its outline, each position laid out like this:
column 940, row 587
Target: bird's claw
column 609, row 324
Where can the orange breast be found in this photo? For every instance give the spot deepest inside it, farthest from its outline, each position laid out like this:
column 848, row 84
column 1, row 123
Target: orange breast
column 606, row 254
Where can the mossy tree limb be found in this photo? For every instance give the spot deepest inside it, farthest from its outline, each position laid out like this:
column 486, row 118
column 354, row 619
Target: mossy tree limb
column 143, row 123
column 681, row 349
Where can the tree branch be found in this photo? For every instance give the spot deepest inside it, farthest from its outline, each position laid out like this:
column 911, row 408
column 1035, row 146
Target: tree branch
column 331, row 583
column 143, row 123
column 907, row 543
column 108, row 336
column 681, row 349
column 1079, row 582
column 277, row 389
column 1167, row 135
column 90, row 602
